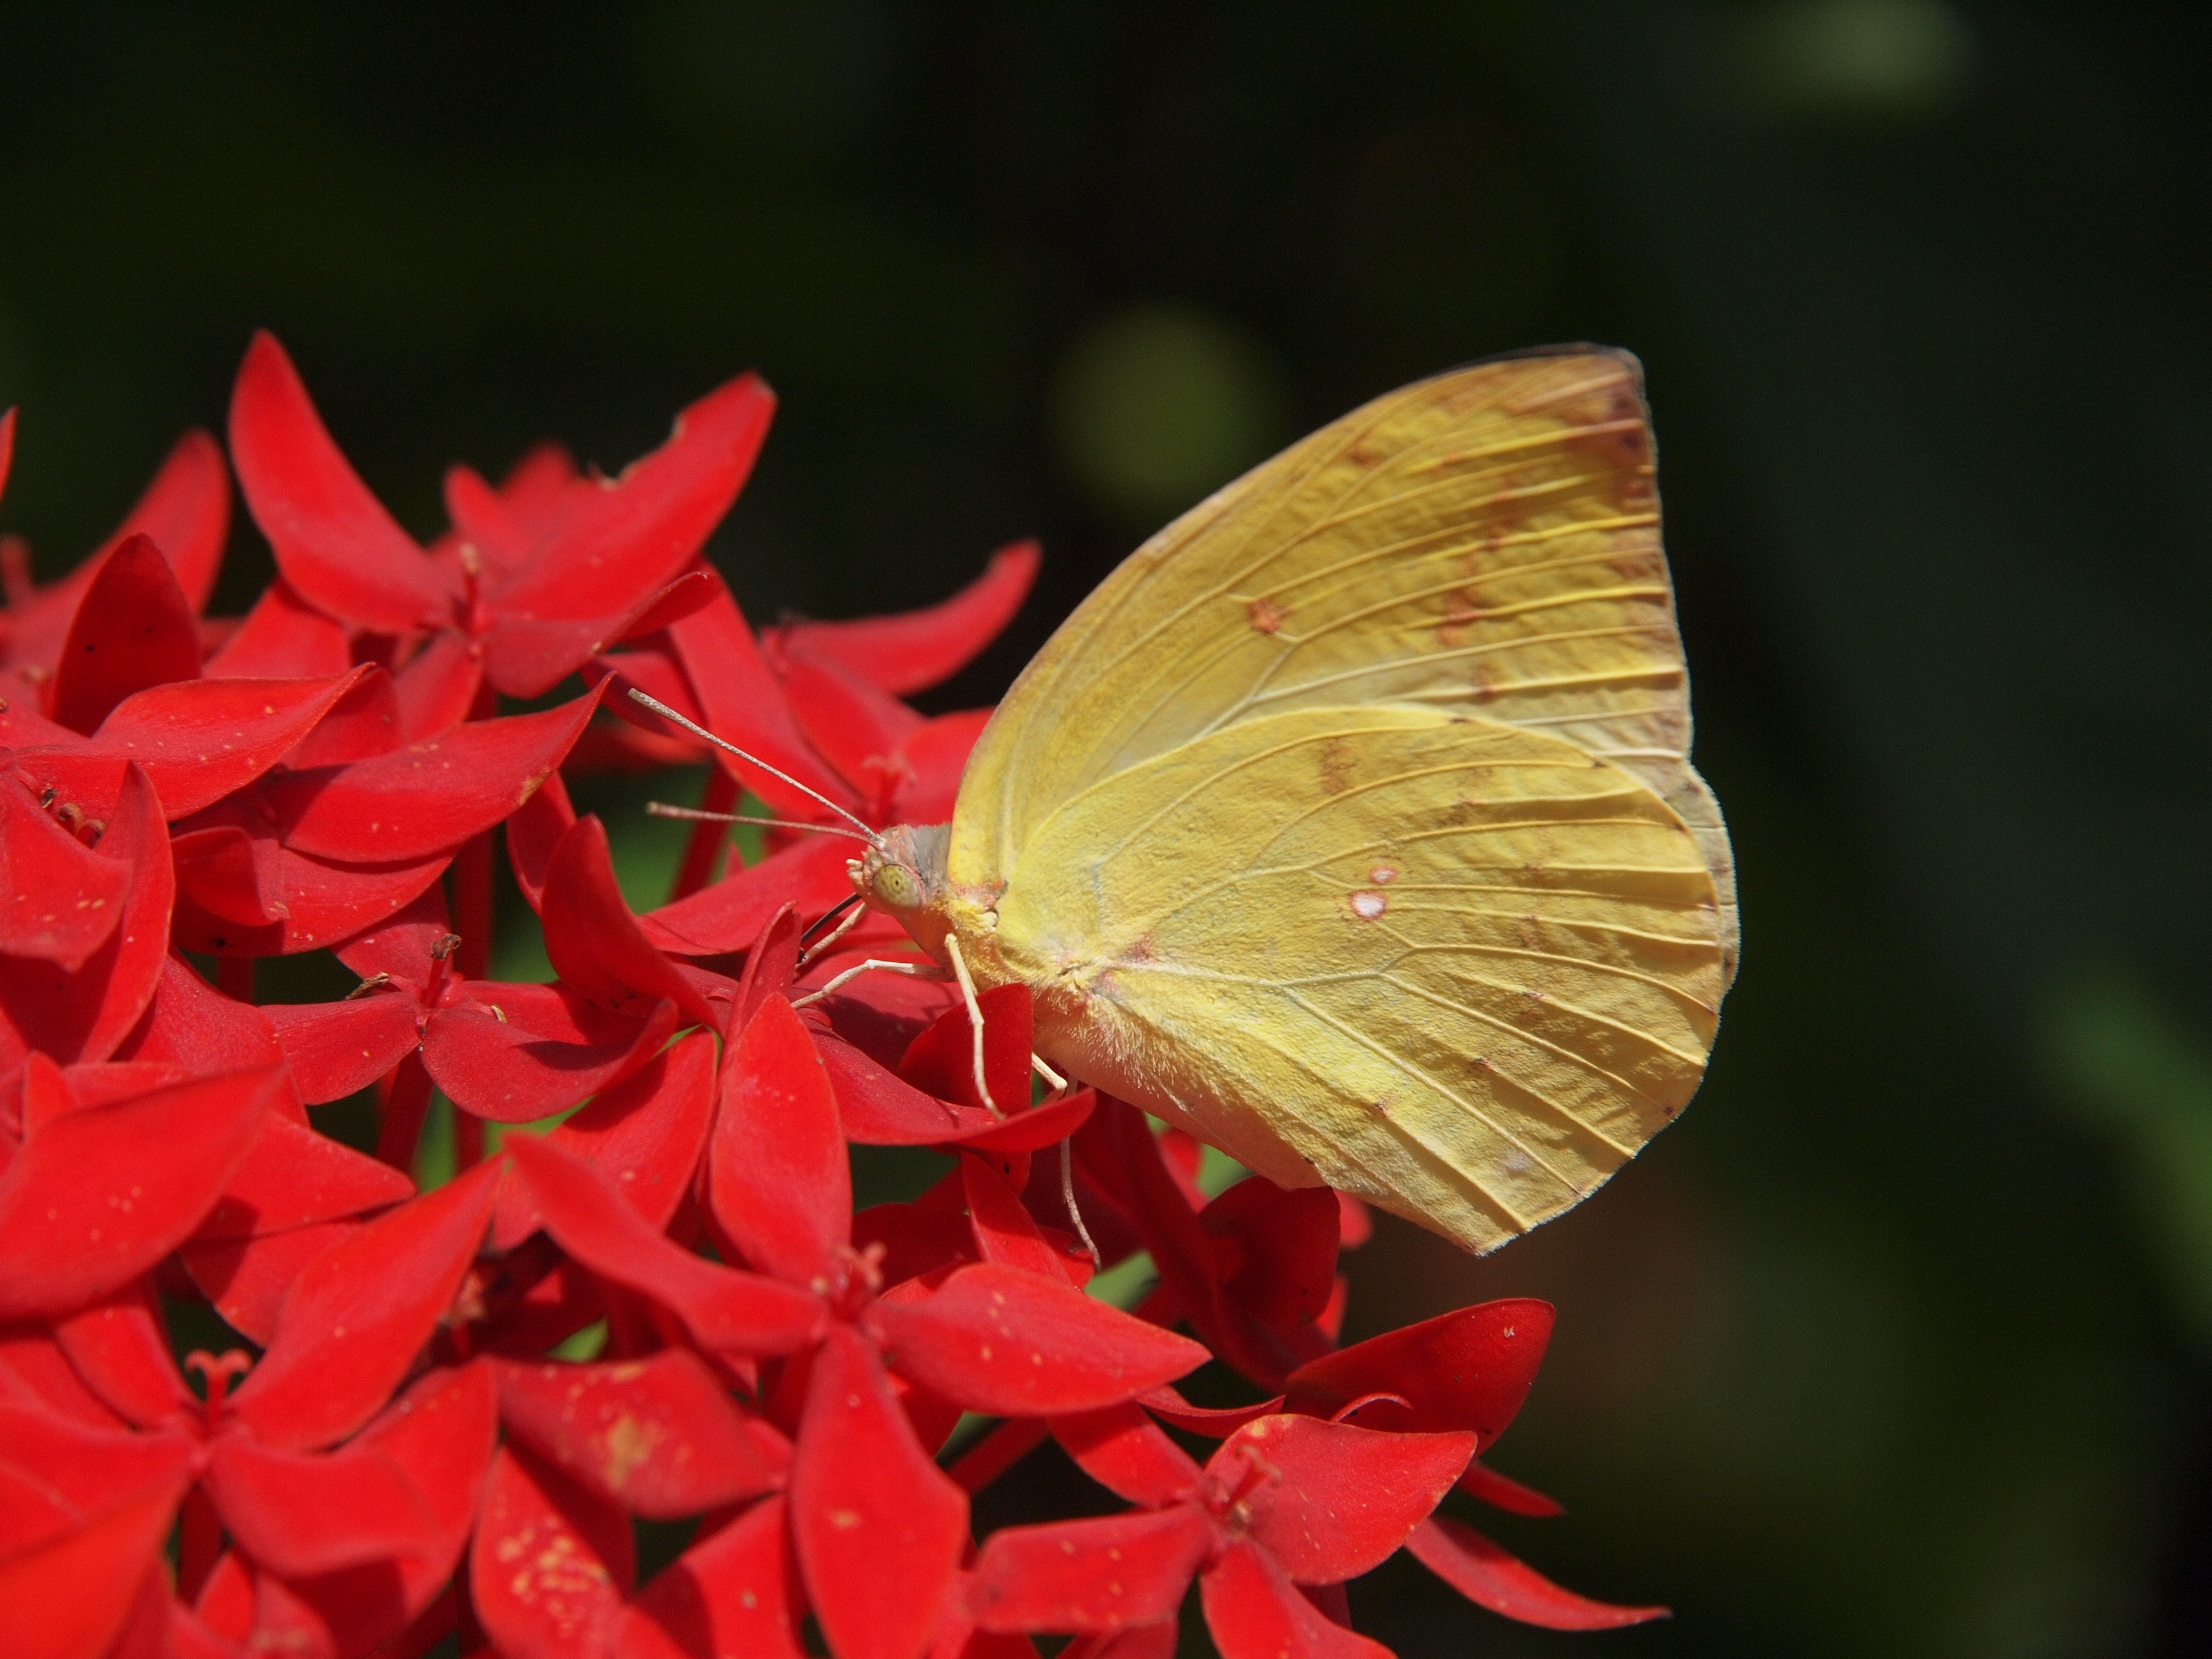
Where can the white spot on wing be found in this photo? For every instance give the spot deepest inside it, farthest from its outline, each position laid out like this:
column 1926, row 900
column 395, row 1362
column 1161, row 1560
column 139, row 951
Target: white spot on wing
column 1368, row 906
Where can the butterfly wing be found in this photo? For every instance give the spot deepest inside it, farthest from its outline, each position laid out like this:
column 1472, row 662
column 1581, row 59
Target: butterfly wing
column 1487, row 540
column 1461, row 969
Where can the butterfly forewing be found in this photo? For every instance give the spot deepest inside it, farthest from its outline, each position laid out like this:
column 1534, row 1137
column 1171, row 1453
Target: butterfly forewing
column 1459, row 968
column 1487, row 540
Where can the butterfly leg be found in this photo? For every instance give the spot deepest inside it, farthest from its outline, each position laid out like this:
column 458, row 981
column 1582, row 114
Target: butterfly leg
column 911, row 969
column 975, row 1019
column 1074, row 1210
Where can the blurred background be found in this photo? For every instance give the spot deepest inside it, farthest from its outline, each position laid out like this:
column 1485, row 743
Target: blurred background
column 1901, row 1343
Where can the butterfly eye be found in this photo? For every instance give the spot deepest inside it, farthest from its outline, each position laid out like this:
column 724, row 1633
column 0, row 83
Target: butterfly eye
column 897, row 887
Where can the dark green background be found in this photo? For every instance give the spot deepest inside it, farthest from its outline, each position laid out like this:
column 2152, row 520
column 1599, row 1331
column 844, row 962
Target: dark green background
column 1899, row 1344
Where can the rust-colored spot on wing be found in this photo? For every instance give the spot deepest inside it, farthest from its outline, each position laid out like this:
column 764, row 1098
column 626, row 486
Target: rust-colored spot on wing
column 1267, row 616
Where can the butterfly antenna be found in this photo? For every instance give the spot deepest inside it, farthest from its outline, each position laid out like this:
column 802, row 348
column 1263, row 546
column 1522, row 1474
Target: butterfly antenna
column 661, row 808
column 727, row 748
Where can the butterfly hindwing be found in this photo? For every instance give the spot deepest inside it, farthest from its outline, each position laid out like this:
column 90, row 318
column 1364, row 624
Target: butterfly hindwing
column 1461, row 969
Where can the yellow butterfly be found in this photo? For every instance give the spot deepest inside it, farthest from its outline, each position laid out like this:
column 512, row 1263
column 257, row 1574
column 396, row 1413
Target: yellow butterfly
column 1350, row 824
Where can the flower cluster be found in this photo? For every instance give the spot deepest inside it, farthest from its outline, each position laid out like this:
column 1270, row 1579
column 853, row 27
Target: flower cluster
column 442, row 1410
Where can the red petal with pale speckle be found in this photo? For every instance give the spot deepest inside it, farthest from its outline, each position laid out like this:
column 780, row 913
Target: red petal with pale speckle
column 1089, row 1576
column 430, row 795
column 1466, row 1370
column 99, row 1195
column 878, row 1526
column 1013, row 1343
column 551, row 1564
column 657, row 1437
column 1337, row 1500
column 738, row 1592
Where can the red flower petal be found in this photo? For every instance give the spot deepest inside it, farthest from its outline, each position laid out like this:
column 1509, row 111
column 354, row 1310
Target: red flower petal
column 738, row 1592
column 941, row 1061
column 198, row 741
column 658, row 1436
column 551, row 1562
column 1467, row 1370
column 609, row 544
column 324, row 903
column 780, row 1180
column 439, row 1435
column 186, row 512
column 59, row 900
column 527, row 656
column 438, row 687
column 533, row 831
column 914, row 1240
column 1126, row 1453
column 1157, row 1641
column 1254, row 1613
column 118, row 1347
column 70, row 1599
column 726, row 1310
column 231, row 875
column 914, row 651
column 879, row 1528
column 134, row 629
column 1501, row 1491
column 1489, row 1577
column 1216, row 1423
column 83, row 1016
column 1012, row 1343
column 595, row 941
column 646, row 1132
column 855, row 726
column 1284, row 1250
column 729, row 914
column 33, row 1371
column 500, row 1069
column 934, row 756
column 771, row 965
column 293, row 1176
column 190, row 1020
column 878, row 1110
column 336, row 1048
column 299, row 1514
column 283, row 637
column 743, row 704
column 430, row 795
column 98, row 1197
column 248, row 1279
column 333, row 540
column 1004, row 1232
column 1334, row 1501
column 355, row 1319
column 1089, row 1576
column 364, row 723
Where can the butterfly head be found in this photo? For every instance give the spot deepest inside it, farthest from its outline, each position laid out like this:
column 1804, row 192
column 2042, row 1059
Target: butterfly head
column 903, row 875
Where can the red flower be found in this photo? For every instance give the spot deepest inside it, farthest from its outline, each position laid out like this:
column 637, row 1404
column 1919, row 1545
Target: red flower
column 411, row 1457
column 536, row 577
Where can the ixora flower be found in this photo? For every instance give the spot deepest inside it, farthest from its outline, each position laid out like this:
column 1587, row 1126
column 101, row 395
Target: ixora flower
column 438, row 1410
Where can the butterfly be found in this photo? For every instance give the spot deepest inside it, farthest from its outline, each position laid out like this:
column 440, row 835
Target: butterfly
column 1349, row 823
